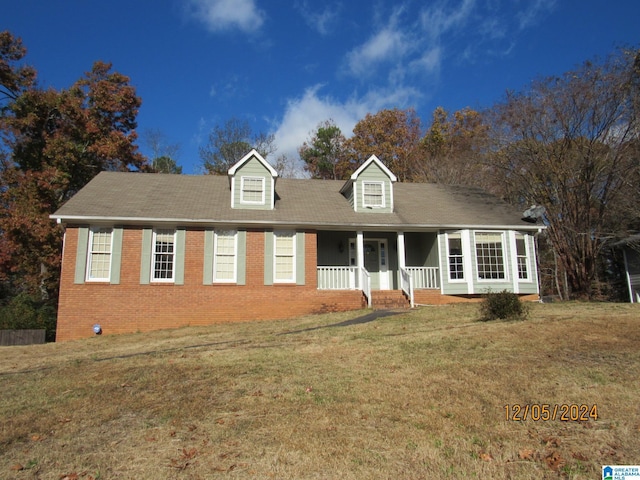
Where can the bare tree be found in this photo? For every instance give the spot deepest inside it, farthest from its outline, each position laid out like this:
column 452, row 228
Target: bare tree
column 230, row 142
column 570, row 144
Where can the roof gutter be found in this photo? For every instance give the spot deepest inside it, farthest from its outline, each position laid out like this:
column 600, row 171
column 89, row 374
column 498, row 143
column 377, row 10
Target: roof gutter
column 262, row 223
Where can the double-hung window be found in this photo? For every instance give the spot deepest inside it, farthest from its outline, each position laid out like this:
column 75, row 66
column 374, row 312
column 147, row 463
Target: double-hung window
column 99, row 258
column 373, row 194
column 456, row 265
column 521, row 257
column 490, row 256
column 225, row 255
column 164, row 256
column 284, row 270
column 252, row 190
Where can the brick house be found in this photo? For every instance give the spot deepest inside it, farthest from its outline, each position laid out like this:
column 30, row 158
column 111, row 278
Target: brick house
column 151, row 251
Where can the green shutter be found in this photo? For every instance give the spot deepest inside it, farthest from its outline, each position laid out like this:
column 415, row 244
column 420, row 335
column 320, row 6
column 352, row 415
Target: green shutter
column 81, row 255
column 268, row 258
column 300, row 260
column 242, row 258
column 181, row 235
column 145, row 261
column 207, row 274
column 116, row 255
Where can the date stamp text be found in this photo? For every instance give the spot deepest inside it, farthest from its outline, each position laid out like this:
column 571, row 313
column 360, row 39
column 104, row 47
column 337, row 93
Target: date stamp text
column 544, row 412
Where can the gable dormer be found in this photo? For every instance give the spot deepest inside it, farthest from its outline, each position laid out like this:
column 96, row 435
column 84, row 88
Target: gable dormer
column 370, row 188
column 253, row 183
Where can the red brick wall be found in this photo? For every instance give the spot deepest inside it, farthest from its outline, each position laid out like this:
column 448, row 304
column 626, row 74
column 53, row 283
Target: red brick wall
column 131, row 307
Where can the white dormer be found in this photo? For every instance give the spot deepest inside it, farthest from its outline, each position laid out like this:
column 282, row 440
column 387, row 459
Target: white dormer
column 370, row 188
column 253, row 182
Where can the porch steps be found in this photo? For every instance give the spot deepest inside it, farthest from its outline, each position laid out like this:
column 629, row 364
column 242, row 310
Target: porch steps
column 389, row 299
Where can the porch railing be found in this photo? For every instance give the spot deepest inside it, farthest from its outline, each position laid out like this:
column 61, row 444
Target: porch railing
column 406, row 283
column 337, row 278
column 345, row 278
column 364, row 282
column 424, row 277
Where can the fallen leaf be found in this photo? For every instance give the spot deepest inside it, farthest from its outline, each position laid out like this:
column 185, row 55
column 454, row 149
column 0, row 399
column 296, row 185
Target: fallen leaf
column 554, row 460
column 551, row 441
column 486, row 457
column 580, row 456
column 17, row 467
column 526, row 454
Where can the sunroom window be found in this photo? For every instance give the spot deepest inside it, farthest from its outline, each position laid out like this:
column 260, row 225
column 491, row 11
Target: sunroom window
column 456, row 269
column 521, row 256
column 490, row 256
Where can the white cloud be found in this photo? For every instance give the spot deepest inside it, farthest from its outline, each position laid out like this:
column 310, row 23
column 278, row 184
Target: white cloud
column 429, row 62
column 385, row 45
column 321, row 21
column 436, row 21
column 534, row 11
column 224, row 15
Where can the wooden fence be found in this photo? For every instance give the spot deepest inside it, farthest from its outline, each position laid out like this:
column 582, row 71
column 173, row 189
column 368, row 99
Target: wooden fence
column 21, row 337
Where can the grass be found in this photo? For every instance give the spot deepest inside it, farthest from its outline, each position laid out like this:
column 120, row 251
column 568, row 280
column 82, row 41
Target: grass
column 418, row 395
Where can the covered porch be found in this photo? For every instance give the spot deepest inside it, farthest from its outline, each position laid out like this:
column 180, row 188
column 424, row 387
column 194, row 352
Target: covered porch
column 372, row 261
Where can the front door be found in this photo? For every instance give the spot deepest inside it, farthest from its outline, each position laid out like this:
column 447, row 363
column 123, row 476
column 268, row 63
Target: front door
column 376, row 262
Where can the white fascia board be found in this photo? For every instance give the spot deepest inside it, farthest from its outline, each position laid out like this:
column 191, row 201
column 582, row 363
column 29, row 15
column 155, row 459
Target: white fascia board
column 247, row 157
column 377, row 161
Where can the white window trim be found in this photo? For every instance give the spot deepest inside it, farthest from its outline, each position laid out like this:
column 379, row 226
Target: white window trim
column 153, row 257
column 250, row 202
column 505, row 264
column 235, row 257
column 88, row 276
column 364, row 195
column 464, row 262
column 276, row 234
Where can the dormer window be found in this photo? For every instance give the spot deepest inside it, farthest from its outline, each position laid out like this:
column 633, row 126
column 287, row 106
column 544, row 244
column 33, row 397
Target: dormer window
column 373, row 194
column 252, row 190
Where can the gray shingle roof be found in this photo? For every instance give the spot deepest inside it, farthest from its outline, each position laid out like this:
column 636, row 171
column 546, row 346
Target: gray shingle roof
column 142, row 198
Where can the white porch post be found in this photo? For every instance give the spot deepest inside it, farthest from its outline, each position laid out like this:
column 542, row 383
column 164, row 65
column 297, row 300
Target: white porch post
column 401, row 254
column 360, row 249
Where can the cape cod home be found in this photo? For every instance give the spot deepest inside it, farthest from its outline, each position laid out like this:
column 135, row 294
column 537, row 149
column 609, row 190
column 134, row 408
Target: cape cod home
column 151, row 251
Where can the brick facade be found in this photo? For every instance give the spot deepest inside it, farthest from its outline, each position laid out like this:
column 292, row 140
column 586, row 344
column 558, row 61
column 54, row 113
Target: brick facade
column 132, row 307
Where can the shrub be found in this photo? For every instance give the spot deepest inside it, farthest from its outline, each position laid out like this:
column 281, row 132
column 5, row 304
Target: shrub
column 503, row 305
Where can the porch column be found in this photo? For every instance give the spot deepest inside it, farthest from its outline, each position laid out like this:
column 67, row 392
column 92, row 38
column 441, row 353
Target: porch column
column 360, row 249
column 401, row 254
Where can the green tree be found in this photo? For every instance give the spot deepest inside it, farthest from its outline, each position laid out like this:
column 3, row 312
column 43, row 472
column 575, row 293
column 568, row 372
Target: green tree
column 230, row 142
column 324, row 153
column 165, row 164
column 393, row 136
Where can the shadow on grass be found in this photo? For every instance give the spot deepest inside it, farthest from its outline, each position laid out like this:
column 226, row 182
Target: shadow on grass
column 369, row 317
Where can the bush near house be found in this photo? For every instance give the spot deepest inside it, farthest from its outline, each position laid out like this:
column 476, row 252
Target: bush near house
column 503, row 305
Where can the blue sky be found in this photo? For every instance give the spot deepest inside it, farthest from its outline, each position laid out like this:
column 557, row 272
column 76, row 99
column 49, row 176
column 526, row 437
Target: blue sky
column 285, row 66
